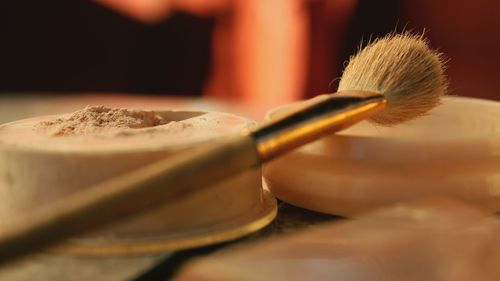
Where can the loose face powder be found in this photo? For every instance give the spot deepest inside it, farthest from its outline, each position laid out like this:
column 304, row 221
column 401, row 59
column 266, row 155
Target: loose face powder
column 98, row 119
column 101, row 128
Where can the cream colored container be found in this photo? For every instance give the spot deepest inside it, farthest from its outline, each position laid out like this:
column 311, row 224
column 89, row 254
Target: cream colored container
column 36, row 169
column 453, row 151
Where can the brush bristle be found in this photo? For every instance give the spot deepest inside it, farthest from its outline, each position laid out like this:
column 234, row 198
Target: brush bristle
column 405, row 70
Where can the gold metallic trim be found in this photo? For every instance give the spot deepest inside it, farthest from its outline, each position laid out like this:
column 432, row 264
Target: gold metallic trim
column 177, row 241
column 317, row 125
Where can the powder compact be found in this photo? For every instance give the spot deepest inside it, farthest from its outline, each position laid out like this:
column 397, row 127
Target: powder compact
column 46, row 158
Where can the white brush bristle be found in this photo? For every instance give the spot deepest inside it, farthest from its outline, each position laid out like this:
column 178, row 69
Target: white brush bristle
column 404, row 69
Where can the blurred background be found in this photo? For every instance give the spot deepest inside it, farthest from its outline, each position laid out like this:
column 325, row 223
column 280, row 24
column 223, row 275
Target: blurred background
column 258, row 53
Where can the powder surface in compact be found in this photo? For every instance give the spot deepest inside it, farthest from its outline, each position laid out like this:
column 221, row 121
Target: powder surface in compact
column 46, row 158
column 95, row 128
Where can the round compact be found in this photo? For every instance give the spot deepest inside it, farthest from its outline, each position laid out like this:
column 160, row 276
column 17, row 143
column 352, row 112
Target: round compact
column 44, row 159
column 453, row 151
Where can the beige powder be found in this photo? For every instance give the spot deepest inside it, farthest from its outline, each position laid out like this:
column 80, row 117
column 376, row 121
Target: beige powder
column 99, row 128
column 98, row 119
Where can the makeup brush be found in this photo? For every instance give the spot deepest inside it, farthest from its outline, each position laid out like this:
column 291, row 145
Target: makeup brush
column 392, row 80
column 403, row 69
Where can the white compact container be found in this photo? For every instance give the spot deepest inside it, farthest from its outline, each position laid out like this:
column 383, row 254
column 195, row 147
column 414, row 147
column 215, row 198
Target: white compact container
column 36, row 169
column 454, row 151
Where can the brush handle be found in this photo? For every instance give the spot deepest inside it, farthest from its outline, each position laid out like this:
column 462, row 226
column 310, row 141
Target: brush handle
column 164, row 181
column 182, row 174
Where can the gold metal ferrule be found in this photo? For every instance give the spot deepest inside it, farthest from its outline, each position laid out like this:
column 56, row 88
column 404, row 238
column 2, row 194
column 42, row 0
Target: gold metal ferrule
column 312, row 120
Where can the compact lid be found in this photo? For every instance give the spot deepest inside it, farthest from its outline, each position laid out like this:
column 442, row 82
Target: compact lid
column 460, row 128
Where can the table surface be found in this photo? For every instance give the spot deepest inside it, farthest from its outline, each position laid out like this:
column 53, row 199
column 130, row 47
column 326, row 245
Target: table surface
column 149, row 267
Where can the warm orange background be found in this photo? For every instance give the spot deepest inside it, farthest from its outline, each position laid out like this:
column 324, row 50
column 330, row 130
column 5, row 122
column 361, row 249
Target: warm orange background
column 260, row 53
